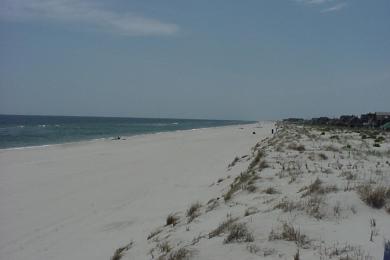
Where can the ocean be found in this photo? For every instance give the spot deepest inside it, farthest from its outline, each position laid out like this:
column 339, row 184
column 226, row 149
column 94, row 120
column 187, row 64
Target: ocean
column 24, row 131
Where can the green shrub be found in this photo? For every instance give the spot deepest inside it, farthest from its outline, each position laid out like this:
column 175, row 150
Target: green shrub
column 379, row 139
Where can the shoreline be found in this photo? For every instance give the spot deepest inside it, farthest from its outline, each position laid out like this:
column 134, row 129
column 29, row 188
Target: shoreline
column 86, row 141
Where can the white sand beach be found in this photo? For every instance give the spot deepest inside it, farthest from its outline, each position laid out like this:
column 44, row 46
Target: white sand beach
column 84, row 200
column 194, row 130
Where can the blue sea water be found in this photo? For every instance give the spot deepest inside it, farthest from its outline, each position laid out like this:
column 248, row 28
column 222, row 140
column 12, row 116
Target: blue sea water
column 23, row 131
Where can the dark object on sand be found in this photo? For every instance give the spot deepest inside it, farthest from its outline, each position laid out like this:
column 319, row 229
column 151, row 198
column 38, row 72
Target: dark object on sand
column 116, row 138
column 272, row 130
column 386, row 255
column 254, row 133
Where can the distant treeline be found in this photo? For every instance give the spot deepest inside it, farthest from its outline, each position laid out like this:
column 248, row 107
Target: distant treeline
column 372, row 120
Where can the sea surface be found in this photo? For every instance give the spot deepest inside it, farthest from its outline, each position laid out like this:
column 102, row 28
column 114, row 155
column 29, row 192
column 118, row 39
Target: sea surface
column 25, row 131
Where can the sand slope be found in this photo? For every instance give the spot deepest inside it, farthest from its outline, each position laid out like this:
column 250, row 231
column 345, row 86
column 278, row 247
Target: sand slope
column 323, row 192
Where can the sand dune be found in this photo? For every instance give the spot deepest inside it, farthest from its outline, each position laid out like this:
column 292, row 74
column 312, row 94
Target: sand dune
column 304, row 193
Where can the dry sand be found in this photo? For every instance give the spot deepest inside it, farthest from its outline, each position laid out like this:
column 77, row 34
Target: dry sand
column 84, row 200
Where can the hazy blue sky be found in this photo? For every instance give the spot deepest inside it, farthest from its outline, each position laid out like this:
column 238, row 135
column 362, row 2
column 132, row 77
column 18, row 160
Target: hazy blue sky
column 252, row 59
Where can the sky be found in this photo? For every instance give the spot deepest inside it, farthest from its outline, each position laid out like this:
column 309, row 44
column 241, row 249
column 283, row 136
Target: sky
column 214, row 59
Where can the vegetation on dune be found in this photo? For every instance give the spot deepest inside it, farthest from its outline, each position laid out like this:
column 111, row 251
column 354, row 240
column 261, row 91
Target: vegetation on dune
column 305, row 189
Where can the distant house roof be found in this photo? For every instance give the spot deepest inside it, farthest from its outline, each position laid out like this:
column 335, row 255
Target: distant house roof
column 382, row 113
column 386, row 126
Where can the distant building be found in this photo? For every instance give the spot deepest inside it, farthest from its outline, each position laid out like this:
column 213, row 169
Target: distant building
column 294, row 120
column 321, row 120
column 382, row 118
column 377, row 119
column 349, row 120
column 368, row 119
column 386, row 126
column 355, row 122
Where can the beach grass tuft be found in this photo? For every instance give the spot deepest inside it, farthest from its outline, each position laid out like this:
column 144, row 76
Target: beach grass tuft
column 193, row 211
column 238, row 232
column 222, row 227
column 375, row 197
column 119, row 253
column 172, row 219
column 289, row 233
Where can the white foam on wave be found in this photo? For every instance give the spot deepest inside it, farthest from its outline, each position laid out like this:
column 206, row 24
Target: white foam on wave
column 26, row 147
